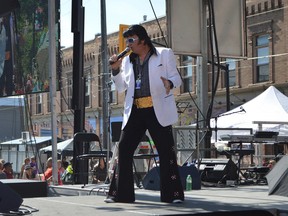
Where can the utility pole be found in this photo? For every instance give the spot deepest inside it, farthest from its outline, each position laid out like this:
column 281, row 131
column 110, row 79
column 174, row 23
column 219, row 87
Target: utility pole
column 105, row 80
column 52, row 72
column 78, row 86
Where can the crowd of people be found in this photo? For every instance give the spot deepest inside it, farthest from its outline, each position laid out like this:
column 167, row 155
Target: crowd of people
column 29, row 170
column 65, row 171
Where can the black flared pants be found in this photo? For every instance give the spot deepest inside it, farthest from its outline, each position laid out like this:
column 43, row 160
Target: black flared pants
column 122, row 183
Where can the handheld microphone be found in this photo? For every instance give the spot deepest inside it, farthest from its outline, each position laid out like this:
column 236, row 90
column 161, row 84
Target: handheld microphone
column 120, row 55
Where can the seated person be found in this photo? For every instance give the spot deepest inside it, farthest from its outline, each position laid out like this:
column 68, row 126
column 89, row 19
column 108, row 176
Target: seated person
column 48, row 173
column 271, row 164
column 28, row 172
column 7, row 169
column 33, row 165
column 2, row 174
column 99, row 171
column 67, row 176
column 26, row 162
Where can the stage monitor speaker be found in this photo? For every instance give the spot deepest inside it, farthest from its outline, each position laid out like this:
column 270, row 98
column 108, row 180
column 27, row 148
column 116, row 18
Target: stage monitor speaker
column 8, row 6
column 277, row 178
column 116, row 131
column 9, row 199
column 217, row 170
column 151, row 180
column 26, row 188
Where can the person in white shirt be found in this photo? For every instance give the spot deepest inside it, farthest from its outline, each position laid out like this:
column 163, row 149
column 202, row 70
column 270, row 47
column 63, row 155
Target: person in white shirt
column 147, row 76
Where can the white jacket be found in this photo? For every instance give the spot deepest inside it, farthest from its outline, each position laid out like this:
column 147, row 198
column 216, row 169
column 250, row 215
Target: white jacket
column 162, row 64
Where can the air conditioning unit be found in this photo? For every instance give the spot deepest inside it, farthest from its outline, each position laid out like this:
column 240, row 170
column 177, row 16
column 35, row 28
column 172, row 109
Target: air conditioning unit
column 25, row 136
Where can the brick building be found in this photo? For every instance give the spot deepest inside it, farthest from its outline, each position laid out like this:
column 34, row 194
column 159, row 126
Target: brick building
column 264, row 66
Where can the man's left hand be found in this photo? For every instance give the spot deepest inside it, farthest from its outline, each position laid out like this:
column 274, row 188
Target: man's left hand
column 166, row 84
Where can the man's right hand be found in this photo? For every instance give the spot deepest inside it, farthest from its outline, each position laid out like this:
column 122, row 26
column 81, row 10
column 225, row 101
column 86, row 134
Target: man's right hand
column 115, row 64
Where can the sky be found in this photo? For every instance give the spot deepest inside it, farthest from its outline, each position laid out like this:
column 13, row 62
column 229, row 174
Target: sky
column 117, row 12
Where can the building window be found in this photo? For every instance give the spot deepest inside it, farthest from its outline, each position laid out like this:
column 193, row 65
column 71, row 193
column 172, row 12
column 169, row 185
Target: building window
column 48, row 103
column 87, row 90
column 231, row 71
column 70, row 92
column 113, row 95
column 31, row 106
column 262, row 62
column 187, row 73
column 38, row 103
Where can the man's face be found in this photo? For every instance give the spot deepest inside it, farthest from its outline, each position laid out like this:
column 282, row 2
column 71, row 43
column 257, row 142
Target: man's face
column 8, row 168
column 134, row 43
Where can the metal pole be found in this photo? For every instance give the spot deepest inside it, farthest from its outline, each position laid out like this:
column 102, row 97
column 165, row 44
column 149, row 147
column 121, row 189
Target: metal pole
column 202, row 74
column 78, row 13
column 227, row 87
column 105, row 80
column 52, row 71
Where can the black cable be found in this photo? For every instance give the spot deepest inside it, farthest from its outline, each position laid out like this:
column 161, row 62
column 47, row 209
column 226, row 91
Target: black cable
column 65, row 100
column 65, row 113
column 216, row 48
column 166, row 43
column 32, row 209
column 210, row 107
column 23, row 210
column 190, row 95
column 215, row 82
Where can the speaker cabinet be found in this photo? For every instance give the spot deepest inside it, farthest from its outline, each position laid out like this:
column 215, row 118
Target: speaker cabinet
column 151, row 180
column 26, row 188
column 116, row 131
column 8, row 6
column 217, row 170
column 9, row 199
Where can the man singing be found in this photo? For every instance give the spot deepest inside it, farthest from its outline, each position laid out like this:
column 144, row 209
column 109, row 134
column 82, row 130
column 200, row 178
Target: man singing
column 148, row 76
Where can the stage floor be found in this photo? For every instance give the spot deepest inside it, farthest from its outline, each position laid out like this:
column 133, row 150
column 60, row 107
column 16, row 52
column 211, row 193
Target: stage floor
column 74, row 200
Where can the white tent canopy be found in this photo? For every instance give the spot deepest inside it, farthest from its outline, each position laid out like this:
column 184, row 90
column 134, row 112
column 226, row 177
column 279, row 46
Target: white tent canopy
column 65, row 148
column 30, row 141
column 62, row 147
column 270, row 108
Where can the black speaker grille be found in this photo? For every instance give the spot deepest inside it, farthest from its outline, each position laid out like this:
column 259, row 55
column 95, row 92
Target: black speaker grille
column 8, row 6
column 217, row 170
